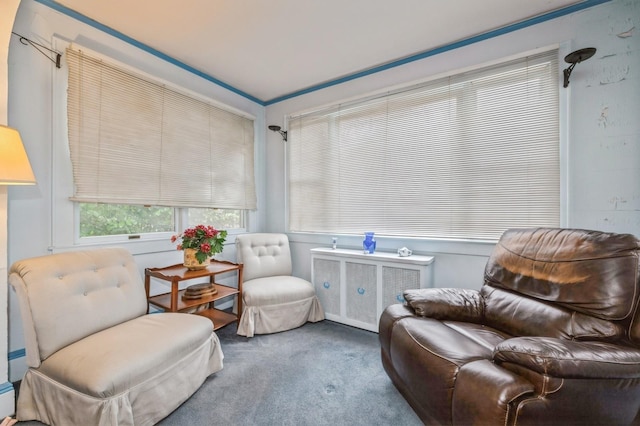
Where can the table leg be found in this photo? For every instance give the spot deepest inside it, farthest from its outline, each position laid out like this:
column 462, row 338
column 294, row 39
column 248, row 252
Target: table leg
column 147, row 286
column 239, row 296
column 174, row 295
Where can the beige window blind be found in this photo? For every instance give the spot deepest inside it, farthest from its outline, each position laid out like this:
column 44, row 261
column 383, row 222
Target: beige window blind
column 466, row 157
column 136, row 141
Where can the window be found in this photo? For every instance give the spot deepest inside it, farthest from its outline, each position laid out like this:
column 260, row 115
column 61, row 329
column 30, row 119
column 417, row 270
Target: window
column 136, row 143
column 97, row 220
column 466, row 157
column 120, row 219
column 218, row 218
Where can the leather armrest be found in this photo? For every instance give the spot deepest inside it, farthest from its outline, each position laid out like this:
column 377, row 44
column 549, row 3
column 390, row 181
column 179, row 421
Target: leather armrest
column 390, row 316
column 455, row 304
column 570, row 359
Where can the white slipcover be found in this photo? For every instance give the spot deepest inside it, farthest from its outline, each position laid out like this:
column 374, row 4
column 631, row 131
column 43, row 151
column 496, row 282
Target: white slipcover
column 273, row 300
column 94, row 356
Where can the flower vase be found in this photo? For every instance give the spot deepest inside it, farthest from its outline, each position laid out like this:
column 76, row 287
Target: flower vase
column 191, row 261
column 369, row 243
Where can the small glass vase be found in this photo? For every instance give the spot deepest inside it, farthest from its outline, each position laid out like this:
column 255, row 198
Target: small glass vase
column 369, row 243
column 191, row 261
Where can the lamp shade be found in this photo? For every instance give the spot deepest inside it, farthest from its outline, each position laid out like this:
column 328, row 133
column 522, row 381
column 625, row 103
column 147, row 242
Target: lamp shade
column 14, row 163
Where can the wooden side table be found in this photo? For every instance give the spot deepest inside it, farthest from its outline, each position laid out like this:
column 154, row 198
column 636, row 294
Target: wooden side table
column 173, row 302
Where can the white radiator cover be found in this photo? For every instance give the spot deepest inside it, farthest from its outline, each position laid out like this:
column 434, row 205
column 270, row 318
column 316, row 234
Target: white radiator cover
column 354, row 288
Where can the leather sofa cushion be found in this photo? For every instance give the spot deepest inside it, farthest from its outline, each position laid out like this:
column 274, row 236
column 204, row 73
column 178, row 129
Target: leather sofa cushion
column 525, row 316
column 544, row 264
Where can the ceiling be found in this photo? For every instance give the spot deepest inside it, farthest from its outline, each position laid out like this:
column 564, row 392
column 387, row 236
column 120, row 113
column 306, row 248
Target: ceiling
column 270, row 50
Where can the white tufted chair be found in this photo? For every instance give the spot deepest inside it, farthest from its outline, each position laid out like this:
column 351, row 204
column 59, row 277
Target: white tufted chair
column 95, row 357
column 273, row 300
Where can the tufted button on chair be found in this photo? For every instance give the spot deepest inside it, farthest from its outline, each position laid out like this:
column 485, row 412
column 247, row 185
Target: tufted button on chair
column 273, row 299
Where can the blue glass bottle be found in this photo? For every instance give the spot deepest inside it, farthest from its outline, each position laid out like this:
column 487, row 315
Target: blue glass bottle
column 369, row 243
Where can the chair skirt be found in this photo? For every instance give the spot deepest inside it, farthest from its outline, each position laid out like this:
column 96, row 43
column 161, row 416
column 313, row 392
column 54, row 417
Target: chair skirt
column 280, row 303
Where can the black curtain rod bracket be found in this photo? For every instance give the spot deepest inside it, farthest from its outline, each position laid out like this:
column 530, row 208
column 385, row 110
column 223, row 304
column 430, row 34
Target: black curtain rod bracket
column 574, row 58
column 278, row 129
column 38, row 47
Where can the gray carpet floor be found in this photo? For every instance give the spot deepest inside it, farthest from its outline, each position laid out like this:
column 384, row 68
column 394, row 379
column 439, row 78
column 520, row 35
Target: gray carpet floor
column 322, row 373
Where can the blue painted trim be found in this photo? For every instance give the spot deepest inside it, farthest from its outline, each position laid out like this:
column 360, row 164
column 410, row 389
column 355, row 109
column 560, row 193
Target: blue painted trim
column 19, row 353
column 6, row 387
column 485, row 36
column 84, row 19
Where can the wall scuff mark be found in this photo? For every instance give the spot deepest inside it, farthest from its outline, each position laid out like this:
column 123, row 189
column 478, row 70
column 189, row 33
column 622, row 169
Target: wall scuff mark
column 628, row 33
column 615, row 76
column 615, row 200
column 602, row 121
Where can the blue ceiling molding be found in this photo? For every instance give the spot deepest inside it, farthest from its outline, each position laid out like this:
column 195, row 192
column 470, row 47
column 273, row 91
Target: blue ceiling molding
column 494, row 33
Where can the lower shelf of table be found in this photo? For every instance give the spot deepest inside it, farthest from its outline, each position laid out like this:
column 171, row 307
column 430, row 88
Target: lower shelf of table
column 164, row 300
column 218, row 317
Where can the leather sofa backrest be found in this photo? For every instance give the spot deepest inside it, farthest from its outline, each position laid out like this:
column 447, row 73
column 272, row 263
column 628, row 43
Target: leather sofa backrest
column 564, row 283
column 65, row 297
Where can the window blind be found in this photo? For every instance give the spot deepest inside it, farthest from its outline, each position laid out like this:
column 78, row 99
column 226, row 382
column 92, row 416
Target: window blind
column 466, row 156
column 136, row 141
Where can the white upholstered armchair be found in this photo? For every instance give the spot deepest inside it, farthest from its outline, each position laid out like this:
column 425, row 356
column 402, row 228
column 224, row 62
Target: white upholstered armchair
column 94, row 356
column 273, row 299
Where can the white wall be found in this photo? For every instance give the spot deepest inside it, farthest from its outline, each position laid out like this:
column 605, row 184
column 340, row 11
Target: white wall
column 600, row 125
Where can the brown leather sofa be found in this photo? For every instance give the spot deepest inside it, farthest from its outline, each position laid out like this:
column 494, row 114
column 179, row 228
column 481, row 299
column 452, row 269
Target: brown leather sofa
column 551, row 338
